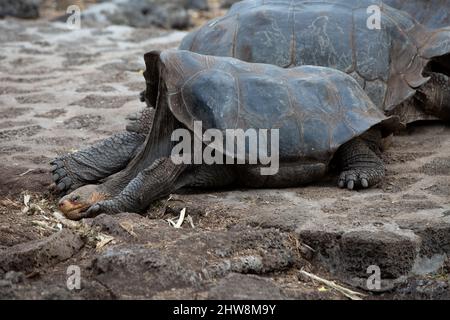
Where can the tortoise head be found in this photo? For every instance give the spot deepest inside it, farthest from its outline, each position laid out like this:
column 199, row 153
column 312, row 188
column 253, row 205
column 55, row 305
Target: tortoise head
column 78, row 201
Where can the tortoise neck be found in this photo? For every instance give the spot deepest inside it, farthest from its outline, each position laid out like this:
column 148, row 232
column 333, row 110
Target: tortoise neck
column 157, row 145
column 114, row 184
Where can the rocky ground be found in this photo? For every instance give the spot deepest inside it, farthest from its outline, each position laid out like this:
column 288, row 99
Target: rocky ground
column 62, row 89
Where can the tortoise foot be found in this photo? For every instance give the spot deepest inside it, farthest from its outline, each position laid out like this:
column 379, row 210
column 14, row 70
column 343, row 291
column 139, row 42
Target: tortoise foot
column 360, row 178
column 111, row 206
column 65, row 178
column 134, row 121
column 141, row 121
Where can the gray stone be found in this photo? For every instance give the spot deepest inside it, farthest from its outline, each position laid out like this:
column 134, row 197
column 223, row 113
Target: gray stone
column 245, row 287
column 31, row 255
column 144, row 13
column 27, row 9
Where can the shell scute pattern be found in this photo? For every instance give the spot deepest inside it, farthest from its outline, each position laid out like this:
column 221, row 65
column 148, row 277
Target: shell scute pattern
column 388, row 62
column 316, row 109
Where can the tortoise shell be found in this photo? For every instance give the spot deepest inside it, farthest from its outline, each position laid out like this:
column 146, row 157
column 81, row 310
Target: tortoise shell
column 316, row 109
column 388, row 62
column 431, row 13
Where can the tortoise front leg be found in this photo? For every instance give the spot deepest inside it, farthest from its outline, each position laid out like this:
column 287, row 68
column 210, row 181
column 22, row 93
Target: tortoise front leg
column 92, row 164
column 141, row 121
column 359, row 163
column 157, row 181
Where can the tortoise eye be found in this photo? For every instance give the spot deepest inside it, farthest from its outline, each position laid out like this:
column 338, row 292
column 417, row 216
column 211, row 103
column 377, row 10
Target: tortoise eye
column 75, row 198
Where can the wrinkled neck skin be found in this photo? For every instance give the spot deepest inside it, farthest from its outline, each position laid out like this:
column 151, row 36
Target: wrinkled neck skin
column 115, row 183
column 157, row 145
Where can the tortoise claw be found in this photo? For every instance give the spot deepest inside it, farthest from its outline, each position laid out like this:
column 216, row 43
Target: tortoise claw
column 93, row 210
column 64, row 184
column 134, row 121
column 133, row 126
column 354, row 179
column 60, row 175
column 350, row 185
column 105, row 206
column 135, row 115
column 364, row 183
column 61, row 186
column 142, row 96
column 67, row 181
column 110, row 206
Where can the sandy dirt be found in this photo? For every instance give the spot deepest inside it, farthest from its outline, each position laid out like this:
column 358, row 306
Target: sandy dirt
column 62, row 90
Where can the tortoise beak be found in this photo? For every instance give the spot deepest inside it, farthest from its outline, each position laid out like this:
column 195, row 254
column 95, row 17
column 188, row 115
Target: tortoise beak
column 64, row 205
column 72, row 210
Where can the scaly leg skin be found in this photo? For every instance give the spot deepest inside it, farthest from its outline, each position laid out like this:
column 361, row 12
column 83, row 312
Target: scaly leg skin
column 157, row 181
column 162, row 178
column 434, row 96
column 359, row 163
column 92, row 164
column 141, row 121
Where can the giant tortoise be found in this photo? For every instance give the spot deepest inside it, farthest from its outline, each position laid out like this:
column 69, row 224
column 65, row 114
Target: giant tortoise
column 320, row 115
column 403, row 66
column 431, row 13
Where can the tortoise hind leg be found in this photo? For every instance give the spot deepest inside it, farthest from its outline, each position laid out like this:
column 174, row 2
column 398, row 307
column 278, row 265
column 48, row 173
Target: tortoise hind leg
column 434, row 96
column 359, row 163
column 92, row 164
